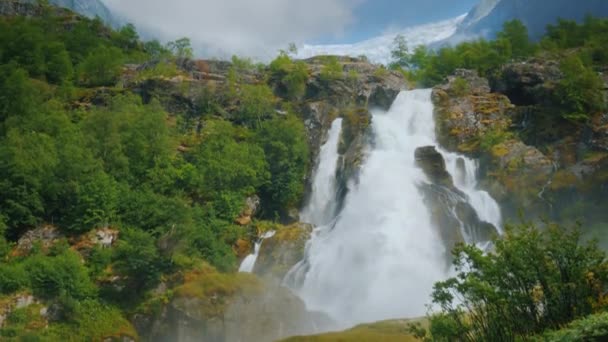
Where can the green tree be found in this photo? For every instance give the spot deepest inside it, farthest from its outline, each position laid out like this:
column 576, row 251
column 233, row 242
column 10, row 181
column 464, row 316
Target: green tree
column 286, row 149
column 101, row 67
column 256, row 104
column 580, row 92
column 400, row 53
column 516, row 33
column 181, row 48
column 137, row 258
column 58, row 63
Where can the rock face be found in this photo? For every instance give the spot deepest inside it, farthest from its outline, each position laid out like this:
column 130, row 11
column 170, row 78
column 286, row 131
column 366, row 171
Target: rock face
column 474, row 121
column 46, row 236
column 450, row 210
column 433, row 165
column 532, row 161
column 527, row 83
column 466, row 112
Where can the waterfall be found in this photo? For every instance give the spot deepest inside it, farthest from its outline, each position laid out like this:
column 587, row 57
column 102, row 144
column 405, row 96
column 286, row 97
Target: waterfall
column 322, row 203
column 249, row 262
column 379, row 258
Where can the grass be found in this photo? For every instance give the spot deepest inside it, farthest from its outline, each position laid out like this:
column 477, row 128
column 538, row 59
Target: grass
column 385, row 331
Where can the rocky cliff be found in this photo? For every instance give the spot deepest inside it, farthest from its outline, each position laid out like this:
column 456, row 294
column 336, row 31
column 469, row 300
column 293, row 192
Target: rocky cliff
column 533, row 161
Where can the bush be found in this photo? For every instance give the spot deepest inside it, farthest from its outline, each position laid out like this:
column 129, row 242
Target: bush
column 536, row 279
column 580, row 92
column 63, row 275
column 591, row 328
column 257, row 103
column 137, row 258
column 332, row 69
column 292, row 75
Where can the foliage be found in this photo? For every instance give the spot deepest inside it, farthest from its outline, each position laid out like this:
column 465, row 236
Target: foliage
column 535, row 279
column 286, row 150
column 137, row 258
column 590, row 328
column 580, row 92
column 293, row 75
column 101, row 67
column 400, row 53
column 181, row 48
column 332, row 69
column 460, row 86
column 63, row 275
column 516, row 33
column 257, row 103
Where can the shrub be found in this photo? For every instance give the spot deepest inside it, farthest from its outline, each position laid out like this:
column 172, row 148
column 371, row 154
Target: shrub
column 61, row 275
column 580, row 92
column 332, row 69
column 536, row 279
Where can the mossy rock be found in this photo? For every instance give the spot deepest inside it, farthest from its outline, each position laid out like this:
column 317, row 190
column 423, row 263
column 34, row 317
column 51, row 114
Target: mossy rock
column 282, row 251
column 206, row 292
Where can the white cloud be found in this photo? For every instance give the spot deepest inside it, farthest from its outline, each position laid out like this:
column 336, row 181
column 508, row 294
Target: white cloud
column 246, row 27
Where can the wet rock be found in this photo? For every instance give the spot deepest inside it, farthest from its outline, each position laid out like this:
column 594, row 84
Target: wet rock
column 451, row 212
column 433, row 165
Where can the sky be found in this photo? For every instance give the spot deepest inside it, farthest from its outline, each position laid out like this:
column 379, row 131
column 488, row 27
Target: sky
column 258, row 28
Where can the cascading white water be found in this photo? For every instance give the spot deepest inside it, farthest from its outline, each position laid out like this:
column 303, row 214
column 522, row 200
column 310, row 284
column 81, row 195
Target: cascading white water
column 322, row 203
column 465, row 179
column 381, row 256
column 248, row 263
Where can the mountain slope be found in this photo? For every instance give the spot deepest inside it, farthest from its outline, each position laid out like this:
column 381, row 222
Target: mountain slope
column 89, row 8
column 535, row 14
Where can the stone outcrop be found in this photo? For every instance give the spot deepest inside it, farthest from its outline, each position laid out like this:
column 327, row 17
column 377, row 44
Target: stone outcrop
column 527, row 83
column 467, row 112
column 532, row 160
column 451, row 212
column 45, row 236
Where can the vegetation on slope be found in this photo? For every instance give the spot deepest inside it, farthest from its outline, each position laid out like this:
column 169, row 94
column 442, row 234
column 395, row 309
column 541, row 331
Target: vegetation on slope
column 79, row 152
